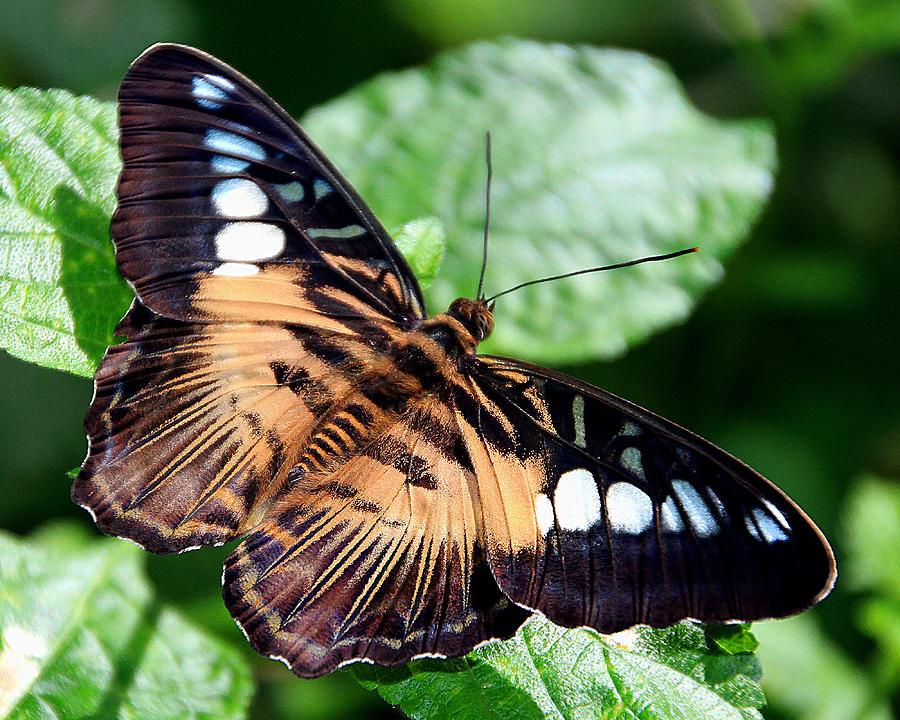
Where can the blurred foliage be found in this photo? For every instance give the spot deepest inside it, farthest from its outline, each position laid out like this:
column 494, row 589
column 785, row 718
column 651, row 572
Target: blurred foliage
column 791, row 363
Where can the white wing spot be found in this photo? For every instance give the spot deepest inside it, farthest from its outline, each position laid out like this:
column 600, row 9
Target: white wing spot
column 770, row 530
column 228, row 165
column 631, row 461
column 699, row 515
column 577, row 500
column 209, row 92
column 349, row 231
column 236, row 269
column 751, row 526
column 232, row 144
column 578, row 418
column 543, row 510
column 669, row 516
column 291, row 192
column 629, row 428
column 321, row 188
column 239, row 198
column 629, row 508
column 249, row 241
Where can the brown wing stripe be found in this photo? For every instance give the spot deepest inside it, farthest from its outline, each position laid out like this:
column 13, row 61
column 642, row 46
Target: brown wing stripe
column 314, row 393
column 442, row 435
column 341, row 490
column 393, row 453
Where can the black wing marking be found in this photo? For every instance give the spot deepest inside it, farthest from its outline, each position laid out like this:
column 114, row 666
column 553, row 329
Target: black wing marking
column 221, row 188
column 632, row 519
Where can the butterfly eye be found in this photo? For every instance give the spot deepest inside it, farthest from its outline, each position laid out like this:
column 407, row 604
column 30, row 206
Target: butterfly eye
column 485, row 322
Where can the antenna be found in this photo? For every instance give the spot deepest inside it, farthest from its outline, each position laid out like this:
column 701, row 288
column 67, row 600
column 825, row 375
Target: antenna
column 487, row 216
column 651, row 258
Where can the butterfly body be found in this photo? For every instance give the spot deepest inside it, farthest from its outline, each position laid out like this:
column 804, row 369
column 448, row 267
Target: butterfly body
column 398, row 494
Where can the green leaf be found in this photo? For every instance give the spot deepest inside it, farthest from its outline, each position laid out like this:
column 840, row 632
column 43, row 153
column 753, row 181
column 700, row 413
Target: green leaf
column 60, row 293
column 81, row 635
column 733, row 639
column 549, row 672
column 598, row 157
column 422, row 242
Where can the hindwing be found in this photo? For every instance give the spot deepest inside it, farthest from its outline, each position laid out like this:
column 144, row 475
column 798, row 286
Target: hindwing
column 194, row 427
column 600, row 513
column 382, row 560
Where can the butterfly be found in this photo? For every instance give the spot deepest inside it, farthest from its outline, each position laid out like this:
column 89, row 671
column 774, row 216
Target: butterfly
column 398, row 495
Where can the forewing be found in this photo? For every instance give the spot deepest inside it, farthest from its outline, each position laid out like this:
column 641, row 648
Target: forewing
column 599, row 513
column 194, row 426
column 379, row 561
column 227, row 211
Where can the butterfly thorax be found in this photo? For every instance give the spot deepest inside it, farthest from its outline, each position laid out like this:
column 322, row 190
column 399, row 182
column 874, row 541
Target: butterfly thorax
column 388, row 374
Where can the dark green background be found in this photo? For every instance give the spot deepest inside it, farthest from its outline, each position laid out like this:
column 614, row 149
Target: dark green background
column 792, row 363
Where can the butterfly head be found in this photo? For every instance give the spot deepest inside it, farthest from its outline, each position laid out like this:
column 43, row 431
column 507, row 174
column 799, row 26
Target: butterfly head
column 476, row 316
